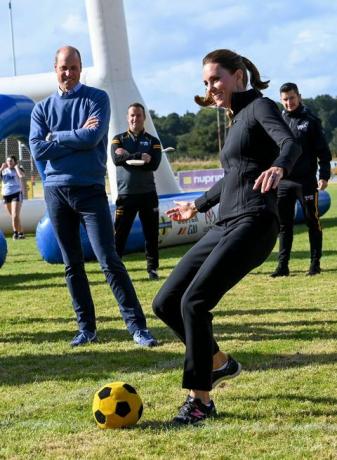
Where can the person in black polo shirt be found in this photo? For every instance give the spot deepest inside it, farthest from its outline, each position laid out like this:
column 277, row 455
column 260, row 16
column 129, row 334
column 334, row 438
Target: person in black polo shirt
column 137, row 154
column 302, row 182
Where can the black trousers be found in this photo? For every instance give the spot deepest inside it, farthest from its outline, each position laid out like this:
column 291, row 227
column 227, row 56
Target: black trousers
column 127, row 206
column 287, row 194
column 206, row 272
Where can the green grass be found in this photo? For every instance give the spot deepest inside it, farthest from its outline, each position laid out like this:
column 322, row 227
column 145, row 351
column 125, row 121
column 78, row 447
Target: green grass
column 283, row 406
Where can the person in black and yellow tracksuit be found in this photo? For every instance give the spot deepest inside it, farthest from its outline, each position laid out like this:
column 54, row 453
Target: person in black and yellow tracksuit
column 302, row 184
column 137, row 154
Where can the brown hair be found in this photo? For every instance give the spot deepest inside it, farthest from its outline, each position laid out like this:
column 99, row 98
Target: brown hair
column 137, row 105
column 286, row 87
column 13, row 157
column 232, row 62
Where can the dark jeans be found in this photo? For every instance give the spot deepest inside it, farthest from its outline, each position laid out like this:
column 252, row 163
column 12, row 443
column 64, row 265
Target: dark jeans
column 67, row 208
column 287, row 194
column 206, row 272
column 127, row 206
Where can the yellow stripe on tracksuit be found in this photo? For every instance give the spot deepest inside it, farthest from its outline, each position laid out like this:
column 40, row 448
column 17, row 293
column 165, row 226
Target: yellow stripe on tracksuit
column 316, row 211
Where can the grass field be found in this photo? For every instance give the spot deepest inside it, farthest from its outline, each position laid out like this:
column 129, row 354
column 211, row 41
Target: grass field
column 284, row 331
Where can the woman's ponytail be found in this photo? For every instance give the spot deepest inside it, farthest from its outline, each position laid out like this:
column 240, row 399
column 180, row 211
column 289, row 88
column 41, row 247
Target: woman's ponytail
column 255, row 79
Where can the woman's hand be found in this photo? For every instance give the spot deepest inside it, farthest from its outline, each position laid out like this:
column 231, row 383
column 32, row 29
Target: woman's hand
column 268, row 179
column 184, row 210
column 322, row 184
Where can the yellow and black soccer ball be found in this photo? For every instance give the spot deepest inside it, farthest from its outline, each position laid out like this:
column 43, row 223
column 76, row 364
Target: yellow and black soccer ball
column 116, row 405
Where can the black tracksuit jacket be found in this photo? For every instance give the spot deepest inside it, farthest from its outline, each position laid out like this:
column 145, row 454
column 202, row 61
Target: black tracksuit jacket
column 258, row 139
column 307, row 128
column 136, row 179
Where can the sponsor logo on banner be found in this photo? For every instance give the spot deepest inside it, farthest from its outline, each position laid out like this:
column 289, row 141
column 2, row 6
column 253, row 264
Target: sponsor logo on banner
column 200, row 179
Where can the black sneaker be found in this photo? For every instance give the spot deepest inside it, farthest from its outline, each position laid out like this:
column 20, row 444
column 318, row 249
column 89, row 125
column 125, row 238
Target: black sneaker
column 15, row 236
column 230, row 370
column 280, row 271
column 314, row 269
column 21, row 236
column 194, row 411
column 153, row 275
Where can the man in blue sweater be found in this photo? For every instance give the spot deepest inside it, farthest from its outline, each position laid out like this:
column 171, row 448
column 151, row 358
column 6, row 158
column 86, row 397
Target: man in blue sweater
column 69, row 132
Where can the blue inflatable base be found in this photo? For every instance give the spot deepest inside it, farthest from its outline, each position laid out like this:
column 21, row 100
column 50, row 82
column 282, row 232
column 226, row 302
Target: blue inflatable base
column 50, row 250
column 3, row 249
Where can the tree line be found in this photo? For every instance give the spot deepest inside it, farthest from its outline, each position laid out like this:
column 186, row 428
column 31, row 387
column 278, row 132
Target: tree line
column 200, row 135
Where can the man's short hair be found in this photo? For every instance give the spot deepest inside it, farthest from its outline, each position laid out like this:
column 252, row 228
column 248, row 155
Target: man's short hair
column 286, row 87
column 139, row 105
column 70, row 48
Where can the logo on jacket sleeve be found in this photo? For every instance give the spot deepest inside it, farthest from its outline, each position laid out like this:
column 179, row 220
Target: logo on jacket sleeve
column 303, row 126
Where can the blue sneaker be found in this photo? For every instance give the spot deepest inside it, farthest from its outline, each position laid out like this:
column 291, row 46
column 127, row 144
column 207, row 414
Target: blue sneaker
column 83, row 337
column 144, row 338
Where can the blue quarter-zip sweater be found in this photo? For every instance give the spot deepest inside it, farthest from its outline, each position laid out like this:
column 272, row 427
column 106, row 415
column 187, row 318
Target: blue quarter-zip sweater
column 75, row 155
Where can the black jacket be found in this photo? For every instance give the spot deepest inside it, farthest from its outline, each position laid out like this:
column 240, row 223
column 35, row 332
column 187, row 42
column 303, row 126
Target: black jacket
column 307, row 128
column 135, row 179
column 257, row 140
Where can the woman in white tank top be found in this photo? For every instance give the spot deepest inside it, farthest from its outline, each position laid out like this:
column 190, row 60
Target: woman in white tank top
column 11, row 175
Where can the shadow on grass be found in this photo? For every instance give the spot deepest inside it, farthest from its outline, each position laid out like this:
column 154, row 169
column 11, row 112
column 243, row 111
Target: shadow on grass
column 306, row 254
column 169, row 425
column 108, row 335
column 90, row 363
column 266, row 311
column 11, row 281
column 20, row 281
column 292, row 397
column 250, row 331
column 308, row 409
column 255, row 361
column 116, row 316
column 312, row 410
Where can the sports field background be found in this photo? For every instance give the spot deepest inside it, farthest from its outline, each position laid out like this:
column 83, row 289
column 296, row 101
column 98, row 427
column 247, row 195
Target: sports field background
column 283, row 331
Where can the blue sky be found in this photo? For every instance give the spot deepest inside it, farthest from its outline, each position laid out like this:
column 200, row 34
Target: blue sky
column 287, row 40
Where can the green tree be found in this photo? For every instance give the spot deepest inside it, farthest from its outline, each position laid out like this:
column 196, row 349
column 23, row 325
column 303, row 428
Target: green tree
column 202, row 140
column 333, row 143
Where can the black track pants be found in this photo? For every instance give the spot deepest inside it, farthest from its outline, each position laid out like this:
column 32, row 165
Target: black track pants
column 127, row 206
column 288, row 193
column 207, row 271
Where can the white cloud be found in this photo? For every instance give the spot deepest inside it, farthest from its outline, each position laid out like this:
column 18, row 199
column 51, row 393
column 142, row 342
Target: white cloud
column 172, row 89
column 74, row 24
column 225, row 16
